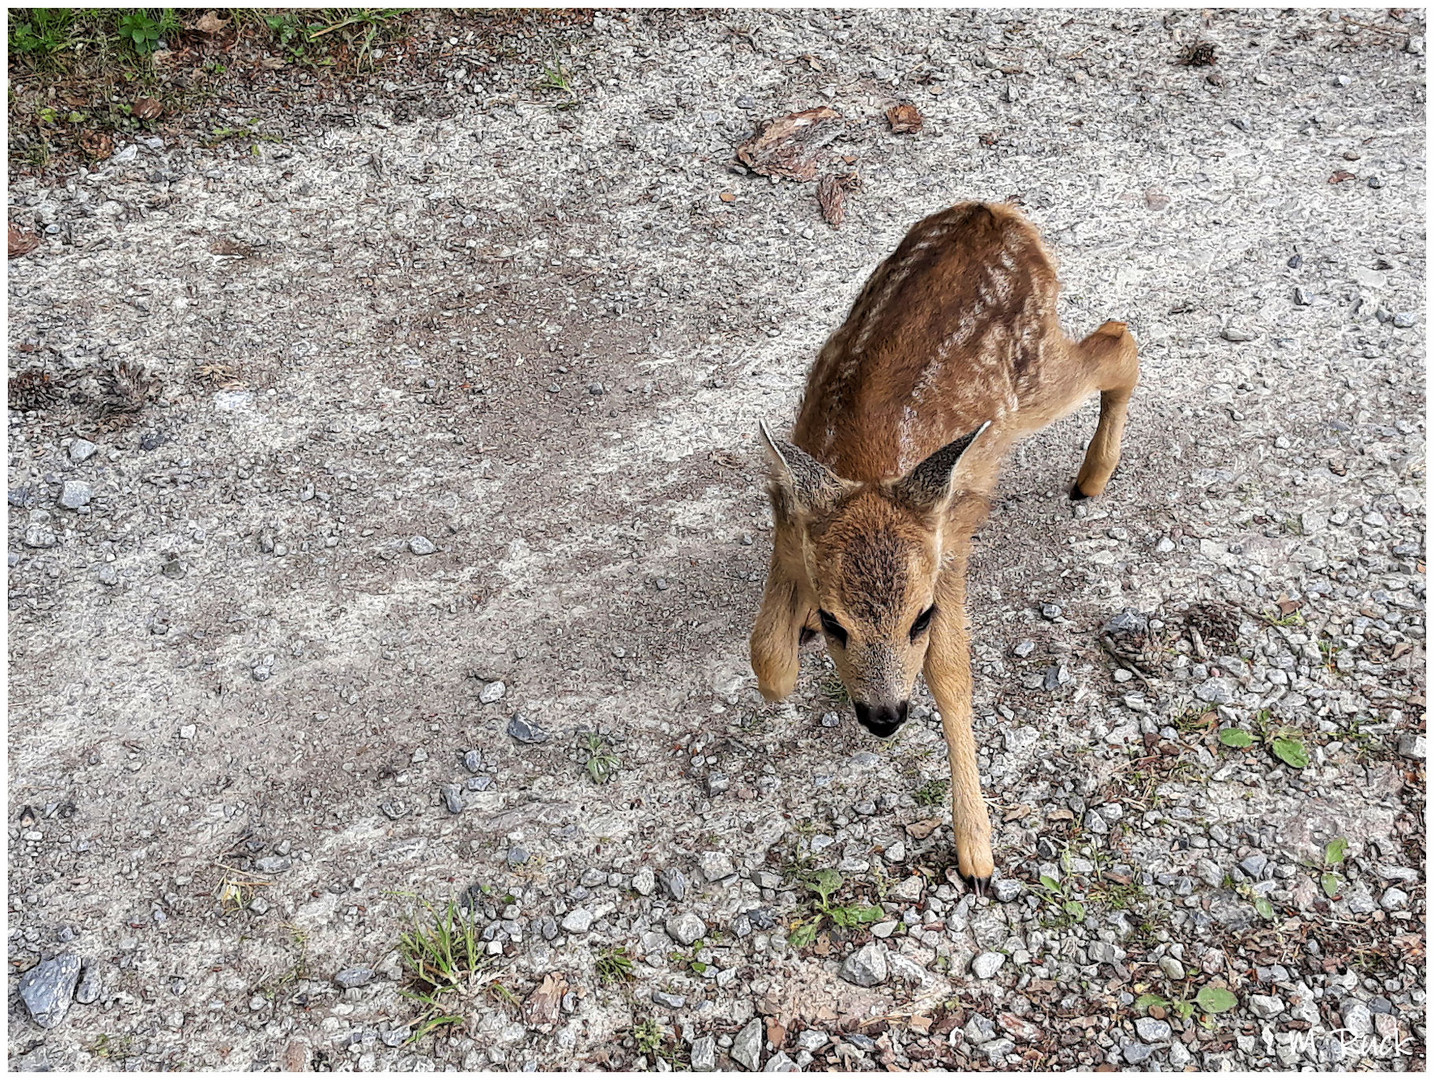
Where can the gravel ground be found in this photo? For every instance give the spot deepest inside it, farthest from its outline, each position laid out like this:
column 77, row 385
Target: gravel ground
column 433, row 428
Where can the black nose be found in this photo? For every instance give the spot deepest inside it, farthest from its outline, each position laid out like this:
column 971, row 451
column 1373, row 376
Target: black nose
column 882, row 720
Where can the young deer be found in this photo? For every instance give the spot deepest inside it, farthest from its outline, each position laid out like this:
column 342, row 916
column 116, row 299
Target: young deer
column 952, row 353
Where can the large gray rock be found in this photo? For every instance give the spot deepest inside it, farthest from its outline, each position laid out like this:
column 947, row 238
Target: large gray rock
column 704, row 1054
column 48, row 987
column 985, row 965
column 1151, row 1030
column 685, row 928
column 866, row 966
column 747, row 1046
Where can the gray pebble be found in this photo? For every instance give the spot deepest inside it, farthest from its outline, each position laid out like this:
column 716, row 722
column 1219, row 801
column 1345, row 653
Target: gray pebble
column 517, row 856
column 48, row 987
column 715, row 865
column 494, row 691
column 979, row 1030
column 867, row 966
column 674, row 884
column 986, row 964
column 1235, row 333
column 685, row 928
column 1405, row 319
column 75, row 494
column 273, row 864
column 352, row 977
column 671, row 1001
column 82, row 450
column 578, row 921
column 473, row 761
column 644, row 881
column 1051, row 611
column 1136, row 1053
column 747, row 1046
column 1024, row 648
column 393, row 809
column 1151, row 1030
column 421, row 545
column 704, row 1054
column 1266, row 1007
column 452, row 798
column 526, row 732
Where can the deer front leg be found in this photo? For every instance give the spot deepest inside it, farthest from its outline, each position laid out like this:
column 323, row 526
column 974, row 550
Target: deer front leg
column 948, row 674
column 777, row 633
column 1113, row 368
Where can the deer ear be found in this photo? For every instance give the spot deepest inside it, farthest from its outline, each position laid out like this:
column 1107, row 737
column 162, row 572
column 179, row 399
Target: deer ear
column 799, row 482
column 929, row 487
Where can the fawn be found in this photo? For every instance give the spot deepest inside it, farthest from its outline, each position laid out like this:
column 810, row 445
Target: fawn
column 952, row 353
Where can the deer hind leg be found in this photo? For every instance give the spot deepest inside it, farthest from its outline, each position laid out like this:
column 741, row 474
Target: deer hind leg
column 948, row 674
column 777, row 633
column 1113, row 368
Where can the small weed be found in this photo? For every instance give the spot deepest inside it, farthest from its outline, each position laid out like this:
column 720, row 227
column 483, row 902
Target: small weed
column 144, row 29
column 825, row 884
column 613, row 965
column 556, row 77
column 1061, row 895
column 442, row 954
column 933, row 793
column 1211, row 1000
column 112, row 1046
column 648, row 1035
column 602, row 765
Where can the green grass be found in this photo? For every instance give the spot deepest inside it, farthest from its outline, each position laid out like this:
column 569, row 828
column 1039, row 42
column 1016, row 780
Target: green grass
column 442, row 954
column 933, row 793
column 613, row 965
column 825, row 884
column 556, row 78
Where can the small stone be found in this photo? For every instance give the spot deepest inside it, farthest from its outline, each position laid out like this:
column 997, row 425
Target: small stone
column 747, row 1046
column 473, row 761
column 1216, row 691
column 644, row 881
column 979, row 1030
column 350, row 978
column 1394, row 900
column 517, row 856
column 866, row 966
column 1136, row 1053
column 1254, row 865
column 717, row 783
column 685, row 928
column 90, row 990
column 82, row 450
column 1024, row 649
column 704, row 1054
column 1266, row 1007
column 273, row 864
column 1179, row 1056
column 671, row 1001
column 1103, row 952
column 1055, row 676
column 986, row 964
column 1358, row 1021
column 48, row 987
column 481, row 782
column 188, row 731
column 1303, row 296
column 524, row 731
column 493, row 692
column 715, row 865
column 1007, row 889
column 578, row 921
column 393, row 809
column 1051, row 611
column 75, row 494
column 452, row 798
column 1405, row 319
column 259, row 906
column 780, row 1063
column 1151, row 1030
column 674, row 884
column 1172, row 968
column 40, row 535
column 830, row 719
column 421, row 545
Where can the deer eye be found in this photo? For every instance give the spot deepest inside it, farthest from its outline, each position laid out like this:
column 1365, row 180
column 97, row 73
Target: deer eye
column 922, row 623
column 832, row 627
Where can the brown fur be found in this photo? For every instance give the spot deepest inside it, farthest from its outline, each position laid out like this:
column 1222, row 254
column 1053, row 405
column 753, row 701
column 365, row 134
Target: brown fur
column 875, row 498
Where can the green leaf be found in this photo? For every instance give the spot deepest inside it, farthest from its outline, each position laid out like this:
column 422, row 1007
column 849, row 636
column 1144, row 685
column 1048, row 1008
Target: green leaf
column 1236, row 738
column 1291, row 752
column 1265, row 908
column 1331, row 883
column 1145, row 1001
column 1051, row 883
column 698, row 966
column 1335, row 851
column 826, row 882
column 1184, row 1010
column 1075, row 909
column 1215, row 1000
column 803, row 935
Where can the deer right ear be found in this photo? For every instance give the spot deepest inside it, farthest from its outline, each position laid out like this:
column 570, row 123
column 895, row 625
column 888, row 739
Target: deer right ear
column 799, row 481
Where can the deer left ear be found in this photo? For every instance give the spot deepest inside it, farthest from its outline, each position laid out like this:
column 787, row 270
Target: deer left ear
column 929, row 487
